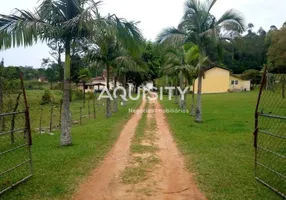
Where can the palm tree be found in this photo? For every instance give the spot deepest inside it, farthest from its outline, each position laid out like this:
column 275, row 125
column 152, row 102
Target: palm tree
column 175, row 63
column 200, row 27
column 125, row 64
column 1, row 95
column 61, row 20
column 114, row 49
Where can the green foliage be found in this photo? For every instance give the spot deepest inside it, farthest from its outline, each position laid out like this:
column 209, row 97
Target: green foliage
column 11, row 72
column 253, row 75
column 57, row 86
column 11, row 84
column 47, row 97
column 77, row 94
column 153, row 60
column 276, row 52
column 84, row 75
column 89, row 95
column 246, row 52
column 160, row 82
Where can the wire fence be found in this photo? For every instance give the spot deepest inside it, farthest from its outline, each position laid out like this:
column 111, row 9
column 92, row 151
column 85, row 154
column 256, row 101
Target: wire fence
column 15, row 135
column 47, row 118
column 270, row 134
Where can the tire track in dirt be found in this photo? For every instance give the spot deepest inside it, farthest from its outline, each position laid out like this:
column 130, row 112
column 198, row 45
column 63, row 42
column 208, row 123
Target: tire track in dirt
column 173, row 179
column 103, row 181
column 166, row 180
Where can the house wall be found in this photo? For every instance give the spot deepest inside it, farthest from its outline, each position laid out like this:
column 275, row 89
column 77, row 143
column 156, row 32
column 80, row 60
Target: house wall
column 240, row 86
column 247, row 85
column 216, row 80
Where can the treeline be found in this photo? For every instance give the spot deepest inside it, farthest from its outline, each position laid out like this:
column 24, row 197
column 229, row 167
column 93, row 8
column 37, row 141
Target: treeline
column 249, row 50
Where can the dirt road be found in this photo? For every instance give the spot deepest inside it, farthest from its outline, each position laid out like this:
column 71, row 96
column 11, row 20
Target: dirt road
column 142, row 165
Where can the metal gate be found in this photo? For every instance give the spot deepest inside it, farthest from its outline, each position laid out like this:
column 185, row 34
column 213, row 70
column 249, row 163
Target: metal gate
column 15, row 134
column 270, row 132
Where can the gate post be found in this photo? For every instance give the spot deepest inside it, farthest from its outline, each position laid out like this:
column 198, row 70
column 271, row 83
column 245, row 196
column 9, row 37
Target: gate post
column 27, row 112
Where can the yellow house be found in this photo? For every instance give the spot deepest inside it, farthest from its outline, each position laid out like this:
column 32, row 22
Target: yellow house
column 220, row 80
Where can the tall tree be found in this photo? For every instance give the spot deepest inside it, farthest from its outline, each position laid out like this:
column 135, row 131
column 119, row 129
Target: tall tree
column 175, row 63
column 276, row 51
column 1, row 94
column 200, row 27
column 57, row 48
column 118, row 42
column 65, row 20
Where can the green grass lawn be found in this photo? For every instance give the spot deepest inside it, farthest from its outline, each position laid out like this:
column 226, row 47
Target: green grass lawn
column 220, row 150
column 59, row 170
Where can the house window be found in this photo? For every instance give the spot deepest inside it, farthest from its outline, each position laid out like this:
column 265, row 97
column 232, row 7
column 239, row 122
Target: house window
column 234, row 82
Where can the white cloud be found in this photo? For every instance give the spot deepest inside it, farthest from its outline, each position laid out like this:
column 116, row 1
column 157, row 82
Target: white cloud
column 154, row 15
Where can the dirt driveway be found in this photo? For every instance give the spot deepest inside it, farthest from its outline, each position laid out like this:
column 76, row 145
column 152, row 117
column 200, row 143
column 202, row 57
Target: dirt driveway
column 143, row 164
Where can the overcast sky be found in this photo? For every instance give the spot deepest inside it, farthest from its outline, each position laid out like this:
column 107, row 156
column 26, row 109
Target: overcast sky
column 154, row 15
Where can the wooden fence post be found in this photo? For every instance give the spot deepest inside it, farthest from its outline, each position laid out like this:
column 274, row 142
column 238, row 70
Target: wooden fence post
column 41, row 117
column 13, row 119
column 80, row 117
column 51, row 118
column 1, row 103
column 94, row 111
column 60, row 120
column 88, row 109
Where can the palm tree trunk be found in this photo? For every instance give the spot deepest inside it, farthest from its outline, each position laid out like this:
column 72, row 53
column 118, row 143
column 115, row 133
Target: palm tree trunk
column 192, row 113
column 66, row 138
column 83, row 101
column 181, row 86
column 108, row 101
column 199, row 100
column 283, row 86
column 125, row 86
column 176, row 91
column 1, row 103
column 60, row 63
column 115, row 107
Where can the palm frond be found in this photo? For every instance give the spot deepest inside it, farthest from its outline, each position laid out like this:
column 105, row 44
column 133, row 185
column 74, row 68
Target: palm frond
column 232, row 20
column 171, row 36
column 23, row 28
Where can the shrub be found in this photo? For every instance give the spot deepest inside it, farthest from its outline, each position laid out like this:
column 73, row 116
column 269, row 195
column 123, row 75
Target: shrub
column 77, row 94
column 47, row 97
column 58, row 86
column 89, row 95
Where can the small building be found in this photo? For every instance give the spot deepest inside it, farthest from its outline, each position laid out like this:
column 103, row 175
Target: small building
column 42, row 79
column 237, row 84
column 99, row 83
column 221, row 80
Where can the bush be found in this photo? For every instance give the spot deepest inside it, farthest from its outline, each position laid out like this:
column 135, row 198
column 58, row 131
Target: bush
column 47, row 97
column 77, row 94
column 58, row 86
column 89, row 95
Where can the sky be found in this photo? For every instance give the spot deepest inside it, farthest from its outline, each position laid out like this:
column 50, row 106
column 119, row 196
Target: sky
column 154, row 15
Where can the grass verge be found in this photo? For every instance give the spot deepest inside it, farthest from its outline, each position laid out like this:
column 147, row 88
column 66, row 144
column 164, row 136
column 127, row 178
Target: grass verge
column 59, row 170
column 220, row 150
